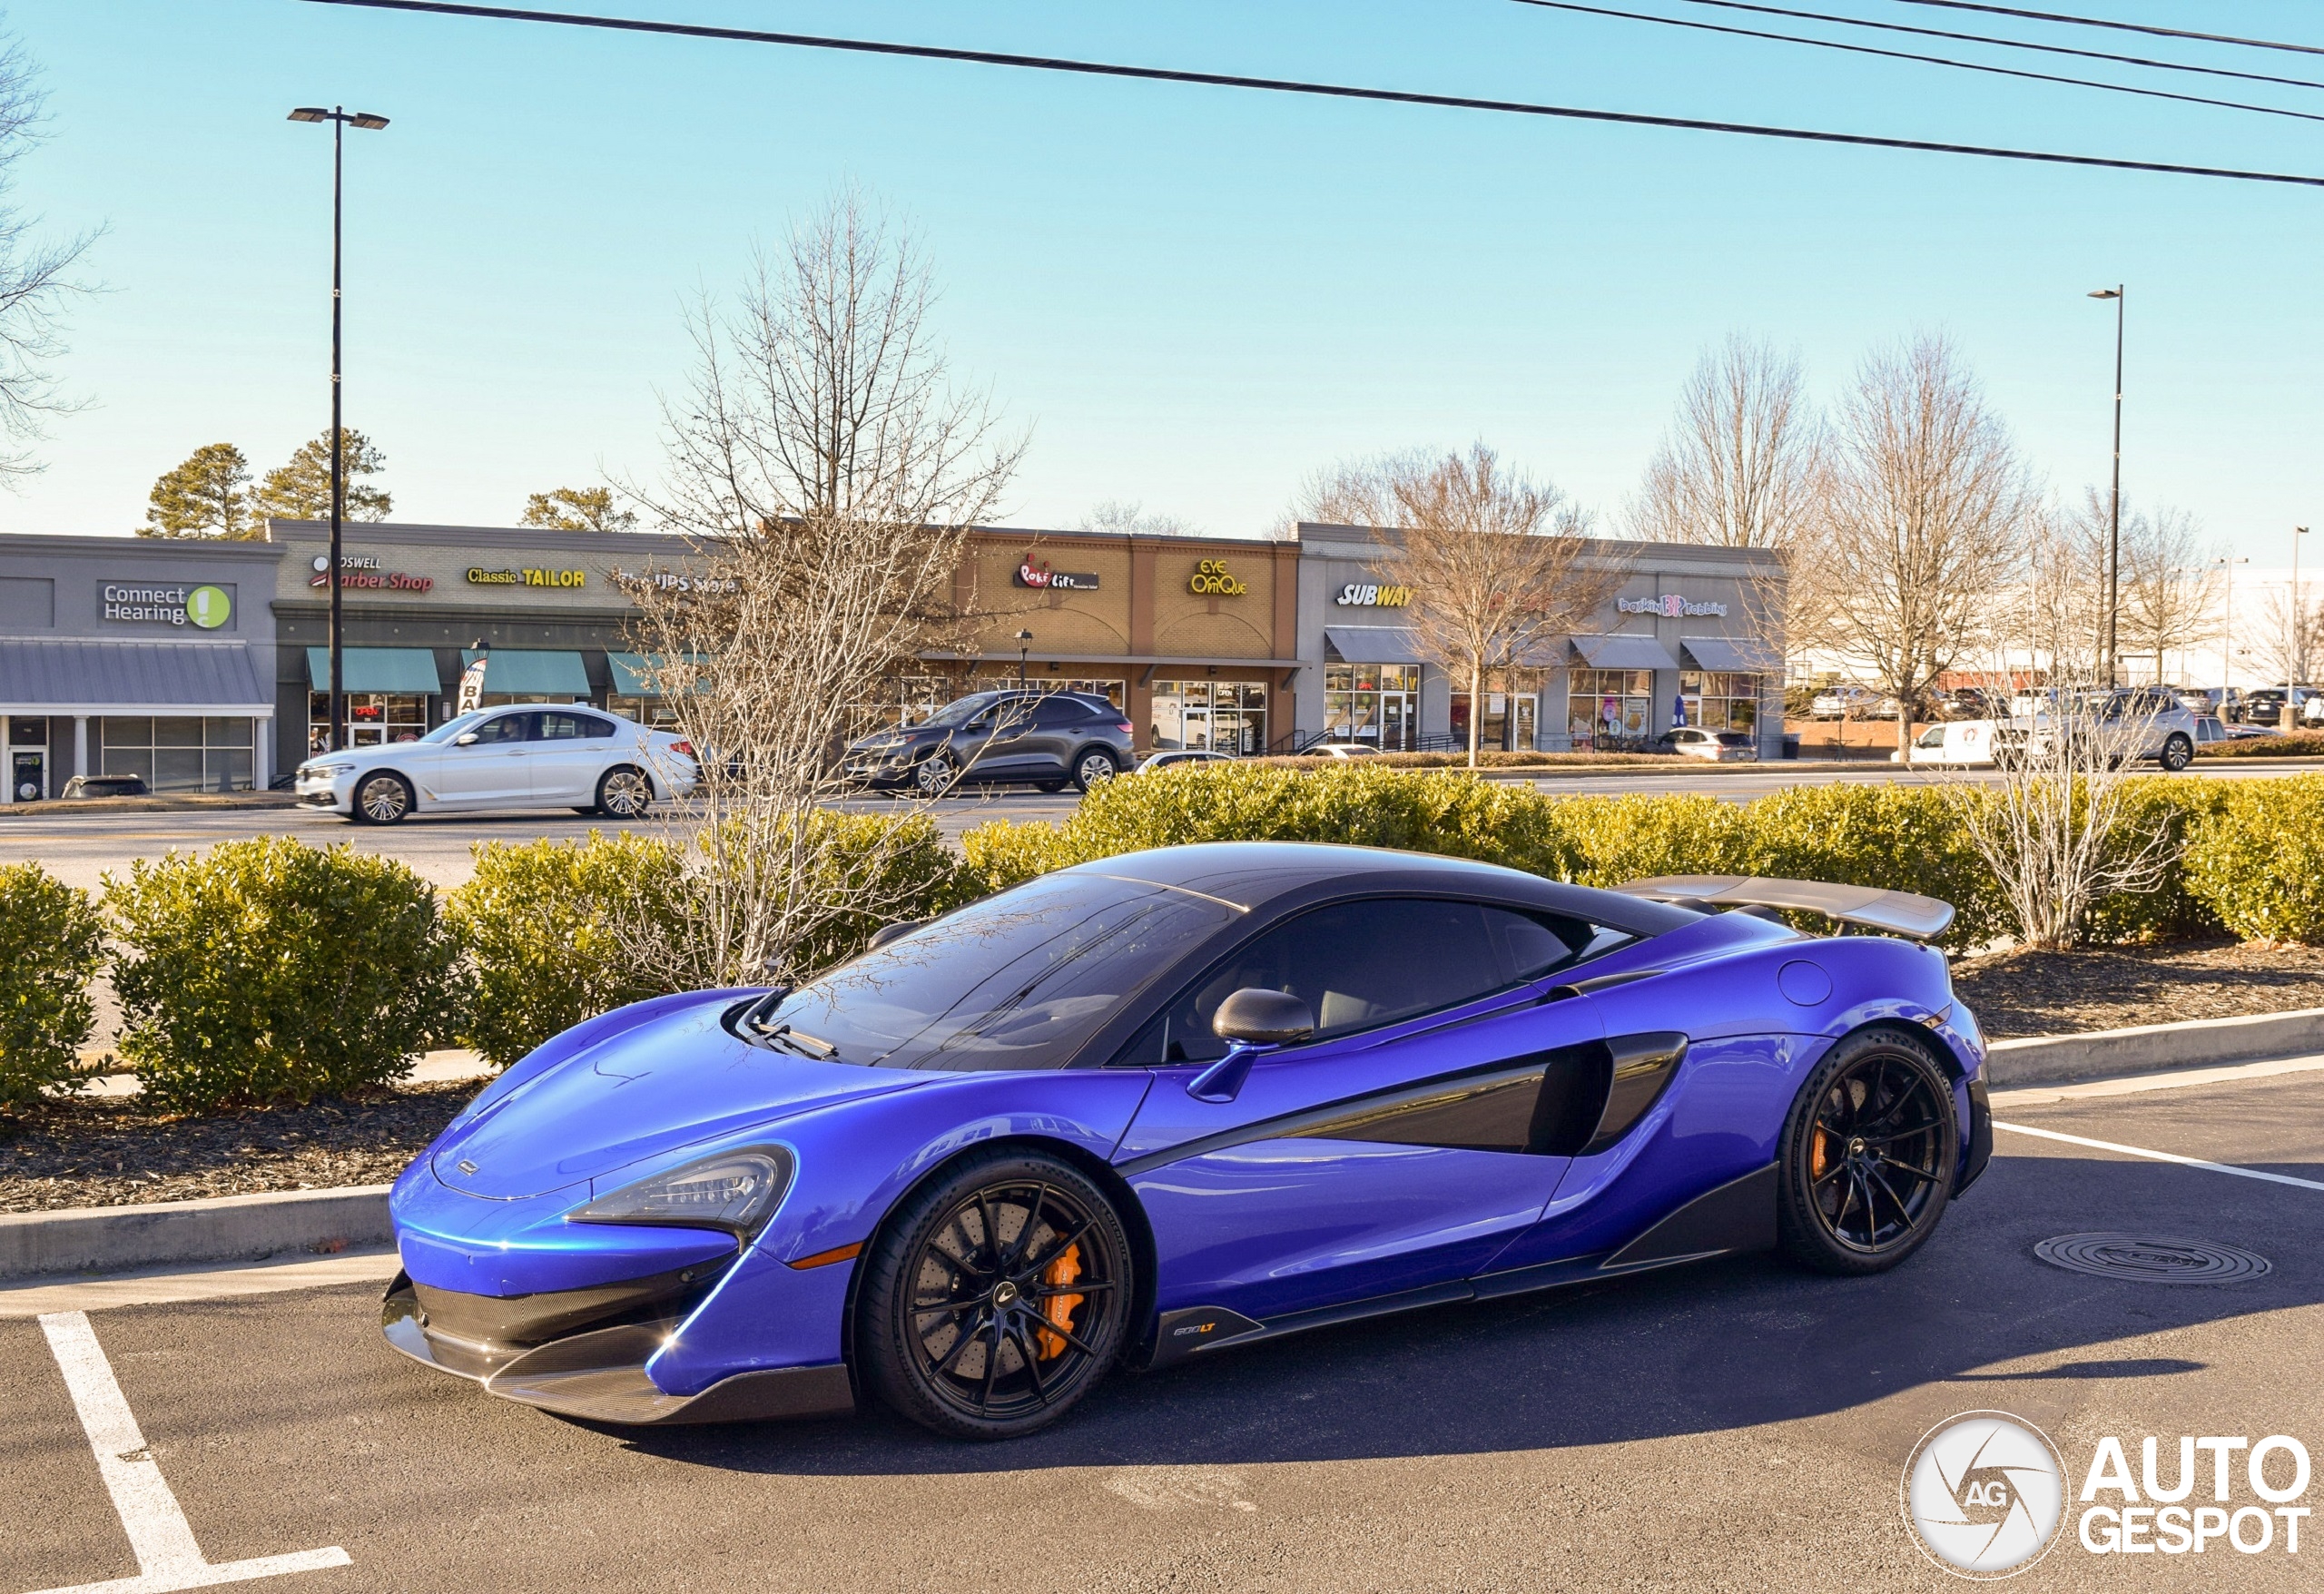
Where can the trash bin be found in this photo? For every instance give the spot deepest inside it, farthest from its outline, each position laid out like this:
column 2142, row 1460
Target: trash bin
column 1791, row 744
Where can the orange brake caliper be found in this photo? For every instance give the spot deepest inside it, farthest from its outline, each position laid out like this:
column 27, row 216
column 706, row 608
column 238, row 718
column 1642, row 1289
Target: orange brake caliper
column 1059, row 1308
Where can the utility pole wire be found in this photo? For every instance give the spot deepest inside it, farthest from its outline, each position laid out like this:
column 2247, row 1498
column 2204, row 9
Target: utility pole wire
column 2127, row 28
column 2086, row 82
column 1321, row 89
column 1934, row 33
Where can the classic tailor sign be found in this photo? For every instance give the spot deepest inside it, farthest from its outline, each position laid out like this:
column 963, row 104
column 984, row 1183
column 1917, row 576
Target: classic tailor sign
column 1036, row 575
column 1670, row 605
column 1371, row 595
column 480, row 577
column 1212, row 579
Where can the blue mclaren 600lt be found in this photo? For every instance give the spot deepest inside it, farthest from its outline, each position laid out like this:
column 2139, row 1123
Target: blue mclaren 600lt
column 1142, row 1110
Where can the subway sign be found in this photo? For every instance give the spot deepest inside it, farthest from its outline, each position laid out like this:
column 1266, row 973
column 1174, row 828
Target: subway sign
column 1371, row 595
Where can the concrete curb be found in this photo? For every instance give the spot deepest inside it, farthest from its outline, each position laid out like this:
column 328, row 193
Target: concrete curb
column 227, row 1228
column 2059, row 1059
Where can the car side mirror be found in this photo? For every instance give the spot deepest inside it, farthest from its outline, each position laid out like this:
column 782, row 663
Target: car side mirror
column 1256, row 1020
column 465, row 739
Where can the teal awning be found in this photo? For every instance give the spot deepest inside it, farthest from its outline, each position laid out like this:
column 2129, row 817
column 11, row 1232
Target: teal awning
column 636, row 675
column 528, row 671
column 376, row 669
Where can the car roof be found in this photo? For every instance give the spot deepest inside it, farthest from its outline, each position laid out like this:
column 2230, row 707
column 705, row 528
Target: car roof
column 1258, row 875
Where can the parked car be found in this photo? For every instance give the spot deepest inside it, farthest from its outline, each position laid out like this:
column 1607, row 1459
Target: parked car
column 2265, row 706
column 1843, row 703
column 1973, row 702
column 1717, row 746
column 1135, row 1112
column 2135, row 723
column 1341, row 750
column 574, row 757
column 1018, row 735
column 1961, row 743
column 105, row 786
column 1174, row 757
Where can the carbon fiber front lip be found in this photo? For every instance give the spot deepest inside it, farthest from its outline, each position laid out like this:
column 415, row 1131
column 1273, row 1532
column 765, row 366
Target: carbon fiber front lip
column 599, row 1375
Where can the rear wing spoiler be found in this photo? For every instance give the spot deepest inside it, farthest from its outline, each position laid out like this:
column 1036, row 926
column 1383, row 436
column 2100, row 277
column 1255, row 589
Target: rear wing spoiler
column 1896, row 912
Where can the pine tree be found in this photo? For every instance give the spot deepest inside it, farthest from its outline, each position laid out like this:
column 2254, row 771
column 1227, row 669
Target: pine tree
column 576, row 509
column 208, row 495
column 300, row 490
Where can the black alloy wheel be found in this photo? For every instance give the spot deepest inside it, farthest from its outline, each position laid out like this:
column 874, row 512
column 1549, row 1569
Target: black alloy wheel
column 1095, row 767
column 934, row 776
column 625, row 792
column 997, row 1298
column 1868, row 1155
column 2177, row 751
column 381, row 798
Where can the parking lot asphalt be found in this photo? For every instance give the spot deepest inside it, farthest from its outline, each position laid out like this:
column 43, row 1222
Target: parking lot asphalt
column 1736, row 1424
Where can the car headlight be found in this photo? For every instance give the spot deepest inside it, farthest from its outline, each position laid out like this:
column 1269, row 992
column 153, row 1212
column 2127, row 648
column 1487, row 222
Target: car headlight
column 327, row 769
column 736, row 1191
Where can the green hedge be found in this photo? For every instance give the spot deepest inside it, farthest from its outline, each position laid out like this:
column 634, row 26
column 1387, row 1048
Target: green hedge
column 269, row 970
column 2294, row 744
column 1899, row 838
column 50, row 943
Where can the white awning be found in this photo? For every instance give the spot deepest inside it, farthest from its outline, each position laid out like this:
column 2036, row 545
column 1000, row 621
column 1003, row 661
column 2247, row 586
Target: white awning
column 1375, row 644
column 1742, row 654
column 1624, row 651
column 70, row 675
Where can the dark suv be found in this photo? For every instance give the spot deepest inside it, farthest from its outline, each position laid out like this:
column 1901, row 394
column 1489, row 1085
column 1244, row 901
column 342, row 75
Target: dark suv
column 1038, row 738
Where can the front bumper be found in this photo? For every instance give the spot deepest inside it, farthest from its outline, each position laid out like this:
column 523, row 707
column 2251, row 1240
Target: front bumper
column 320, row 791
column 541, row 1350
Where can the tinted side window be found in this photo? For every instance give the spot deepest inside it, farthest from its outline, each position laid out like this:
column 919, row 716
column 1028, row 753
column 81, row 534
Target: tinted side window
column 591, row 725
column 1359, row 965
column 506, row 728
column 561, row 727
column 1063, row 711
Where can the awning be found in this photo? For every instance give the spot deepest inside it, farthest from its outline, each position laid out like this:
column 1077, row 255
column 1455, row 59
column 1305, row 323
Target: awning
column 1741, row 654
column 1375, row 644
column 635, row 675
column 376, row 669
column 92, row 676
column 1627, row 651
column 527, row 671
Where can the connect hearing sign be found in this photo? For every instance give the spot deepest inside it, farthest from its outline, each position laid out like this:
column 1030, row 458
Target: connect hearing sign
column 205, row 608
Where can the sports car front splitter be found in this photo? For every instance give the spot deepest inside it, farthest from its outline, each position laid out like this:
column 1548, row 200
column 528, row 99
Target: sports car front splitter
column 599, row 1374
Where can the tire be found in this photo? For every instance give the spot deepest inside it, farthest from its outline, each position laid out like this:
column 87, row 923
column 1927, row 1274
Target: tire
column 2177, row 751
column 625, row 792
column 1094, row 767
column 934, row 776
column 1049, row 786
column 382, row 797
column 1867, row 1157
column 978, row 1245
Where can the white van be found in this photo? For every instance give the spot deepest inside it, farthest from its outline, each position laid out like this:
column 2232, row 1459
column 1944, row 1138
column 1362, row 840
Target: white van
column 1955, row 742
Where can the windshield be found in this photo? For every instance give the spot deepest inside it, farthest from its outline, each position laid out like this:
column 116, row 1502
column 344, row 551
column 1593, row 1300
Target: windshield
column 453, row 728
column 1019, row 980
column 962, row 709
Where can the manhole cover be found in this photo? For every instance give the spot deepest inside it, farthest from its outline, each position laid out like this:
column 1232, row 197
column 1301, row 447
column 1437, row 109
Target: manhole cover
column 2151, row 1260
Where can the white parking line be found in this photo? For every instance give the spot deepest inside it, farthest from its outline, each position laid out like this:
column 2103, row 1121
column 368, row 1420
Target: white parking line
column 168, row 1558
column 2190, row 1162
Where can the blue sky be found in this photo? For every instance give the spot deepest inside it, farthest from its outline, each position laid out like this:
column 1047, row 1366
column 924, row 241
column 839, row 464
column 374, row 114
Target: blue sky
column 1193, row 297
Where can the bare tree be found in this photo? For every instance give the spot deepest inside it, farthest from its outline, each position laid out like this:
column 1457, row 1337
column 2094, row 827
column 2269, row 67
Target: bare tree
column 2287, row 637
column 1135, row 519
column 1923, row 523
column 1741, row 465
column 35, row 277
column 827, row 473
column 1500, row 568
column 1355, row 492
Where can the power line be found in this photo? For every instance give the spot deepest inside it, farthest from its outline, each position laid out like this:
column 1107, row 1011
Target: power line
column 1299, row 86
column 1934, row 33
column 2127, row 28
column 2086, row 82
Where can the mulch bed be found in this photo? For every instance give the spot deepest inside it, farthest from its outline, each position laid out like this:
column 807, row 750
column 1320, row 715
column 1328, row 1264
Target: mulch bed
column 107, row 1153
column 2020, row 993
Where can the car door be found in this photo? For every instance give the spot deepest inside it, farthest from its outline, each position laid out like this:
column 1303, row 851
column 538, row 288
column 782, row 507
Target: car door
column 569, row 750
column 1059, row 724
column 1396, row 1152
column 1009, row 752
column 491, row 763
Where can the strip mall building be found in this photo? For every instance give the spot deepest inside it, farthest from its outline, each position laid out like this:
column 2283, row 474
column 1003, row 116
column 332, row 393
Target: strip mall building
column 202, row 666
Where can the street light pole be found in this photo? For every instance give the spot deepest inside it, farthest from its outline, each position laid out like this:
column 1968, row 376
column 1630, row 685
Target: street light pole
column 1024, row 646
column 339, row 118
column 2295, row 656
column 2227, row 631
column 2114, row 503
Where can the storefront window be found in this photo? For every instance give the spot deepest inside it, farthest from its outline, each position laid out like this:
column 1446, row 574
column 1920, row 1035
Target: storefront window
column 1113, row 691
column 1377, row 704
column 1508, row 721
column 1608, row 709
column 176, row 753
column 657, row 712
column 1720, row 701
column 373, row 718
column 1222, row 716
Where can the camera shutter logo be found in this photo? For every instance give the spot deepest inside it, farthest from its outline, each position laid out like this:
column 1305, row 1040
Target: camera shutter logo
column 1984, row 1494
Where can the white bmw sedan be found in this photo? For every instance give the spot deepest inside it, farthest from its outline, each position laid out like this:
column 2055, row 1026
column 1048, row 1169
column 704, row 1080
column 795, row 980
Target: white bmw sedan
column 521, row 757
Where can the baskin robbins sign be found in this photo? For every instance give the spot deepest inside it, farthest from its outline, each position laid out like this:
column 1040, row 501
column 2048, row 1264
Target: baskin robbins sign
column 1670, row 604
